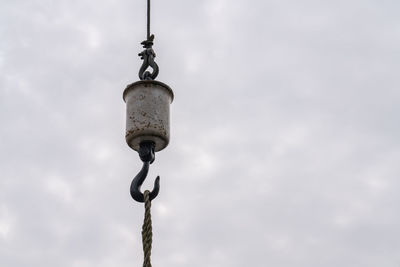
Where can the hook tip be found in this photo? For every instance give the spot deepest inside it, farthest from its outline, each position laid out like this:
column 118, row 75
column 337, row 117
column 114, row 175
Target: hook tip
column 156, row 189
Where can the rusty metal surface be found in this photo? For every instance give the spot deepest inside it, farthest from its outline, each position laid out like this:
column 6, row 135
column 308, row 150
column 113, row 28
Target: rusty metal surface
column 146, row 83
column 147, row 117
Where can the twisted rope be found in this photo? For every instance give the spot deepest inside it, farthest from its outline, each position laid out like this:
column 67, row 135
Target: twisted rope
column 147, row 230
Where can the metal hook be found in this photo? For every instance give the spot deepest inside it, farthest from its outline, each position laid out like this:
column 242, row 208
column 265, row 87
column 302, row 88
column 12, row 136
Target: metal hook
column 148, row 55
column 146, row 154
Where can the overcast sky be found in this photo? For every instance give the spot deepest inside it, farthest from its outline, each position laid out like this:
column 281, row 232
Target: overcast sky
column 284, row 133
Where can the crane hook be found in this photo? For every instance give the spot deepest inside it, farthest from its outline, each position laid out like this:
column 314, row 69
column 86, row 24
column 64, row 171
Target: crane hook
column 146, row 154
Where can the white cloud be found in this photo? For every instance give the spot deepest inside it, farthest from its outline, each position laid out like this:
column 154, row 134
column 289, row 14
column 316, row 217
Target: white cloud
column 7, row 222
column 59, row 188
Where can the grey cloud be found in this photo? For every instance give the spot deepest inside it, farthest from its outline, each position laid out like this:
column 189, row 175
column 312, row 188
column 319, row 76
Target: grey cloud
column 284, row 145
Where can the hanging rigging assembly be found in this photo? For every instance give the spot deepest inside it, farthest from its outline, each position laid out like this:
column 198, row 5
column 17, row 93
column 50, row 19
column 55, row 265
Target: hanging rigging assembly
column 147, row 128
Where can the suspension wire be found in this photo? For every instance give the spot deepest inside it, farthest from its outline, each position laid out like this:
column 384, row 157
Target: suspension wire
column 148, row 54
column 148, row 19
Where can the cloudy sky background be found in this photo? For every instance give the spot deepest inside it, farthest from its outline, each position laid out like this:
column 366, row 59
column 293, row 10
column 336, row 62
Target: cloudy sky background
column 284, row 133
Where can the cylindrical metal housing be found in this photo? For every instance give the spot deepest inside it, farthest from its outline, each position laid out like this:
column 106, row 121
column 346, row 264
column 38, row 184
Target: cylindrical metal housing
column 147, row 113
